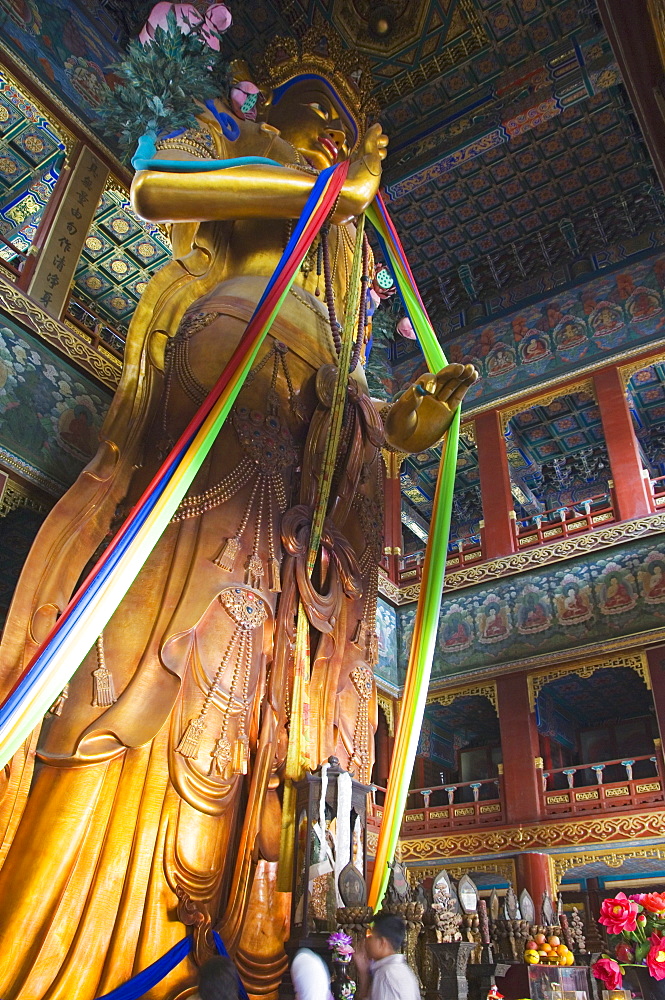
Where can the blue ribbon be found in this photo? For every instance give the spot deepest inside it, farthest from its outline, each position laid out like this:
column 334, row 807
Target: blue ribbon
column 144, row 981
column 146, row 148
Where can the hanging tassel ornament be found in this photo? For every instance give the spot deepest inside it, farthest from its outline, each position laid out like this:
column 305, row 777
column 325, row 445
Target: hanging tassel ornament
column 228, row 554
column 59, row 703
column 191, row 741
column 103, row 690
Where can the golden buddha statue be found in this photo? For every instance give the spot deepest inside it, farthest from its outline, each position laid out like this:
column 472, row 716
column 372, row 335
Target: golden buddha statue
column 150, row 798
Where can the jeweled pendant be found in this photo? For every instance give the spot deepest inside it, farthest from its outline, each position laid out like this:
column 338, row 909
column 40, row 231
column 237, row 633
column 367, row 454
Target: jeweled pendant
column 255, row 571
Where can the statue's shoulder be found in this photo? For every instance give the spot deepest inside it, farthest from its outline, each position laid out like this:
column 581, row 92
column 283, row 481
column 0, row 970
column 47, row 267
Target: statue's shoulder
column 252, row 139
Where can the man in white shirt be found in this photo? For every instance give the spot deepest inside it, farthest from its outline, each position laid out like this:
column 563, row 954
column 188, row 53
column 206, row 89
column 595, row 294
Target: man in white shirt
column 390, row 978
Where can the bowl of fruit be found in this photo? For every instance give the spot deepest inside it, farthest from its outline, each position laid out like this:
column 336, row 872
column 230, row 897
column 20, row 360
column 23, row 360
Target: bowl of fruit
column 542, row 950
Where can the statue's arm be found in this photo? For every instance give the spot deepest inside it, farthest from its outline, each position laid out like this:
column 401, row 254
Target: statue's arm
column 255, row 191
column 423, row 414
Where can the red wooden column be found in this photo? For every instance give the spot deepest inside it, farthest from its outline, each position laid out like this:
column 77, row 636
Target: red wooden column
column 392, row 517
column 631, row 493
column 498, row 512
column 534, row 874
column 522, row 765
column 656, row 661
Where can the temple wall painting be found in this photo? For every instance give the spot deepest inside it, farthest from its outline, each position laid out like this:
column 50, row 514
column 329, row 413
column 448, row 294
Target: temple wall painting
column 50, row 415
column 581, row 602
column 387, row 631
column 67, row 50
column 583, row 325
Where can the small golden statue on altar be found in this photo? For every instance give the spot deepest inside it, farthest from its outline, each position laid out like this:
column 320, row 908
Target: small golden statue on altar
column 157, row 777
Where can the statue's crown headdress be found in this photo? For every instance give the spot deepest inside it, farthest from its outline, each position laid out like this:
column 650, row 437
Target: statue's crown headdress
column 320, row 52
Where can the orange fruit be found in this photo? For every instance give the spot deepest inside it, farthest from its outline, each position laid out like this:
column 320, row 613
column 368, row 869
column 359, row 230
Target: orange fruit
column 546, row 947
column 562, row 950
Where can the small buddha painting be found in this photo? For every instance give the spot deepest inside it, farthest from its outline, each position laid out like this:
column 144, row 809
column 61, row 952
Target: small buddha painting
column 500, row 360
column 533, row 613
column 615, row 590
column 573, row 601
column 493, row 620
column 652, row 578
column 456, row 631
column 569, row 332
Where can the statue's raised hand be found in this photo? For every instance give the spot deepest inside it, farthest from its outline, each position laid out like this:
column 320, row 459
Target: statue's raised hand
column 364, row 175
column 423, row 414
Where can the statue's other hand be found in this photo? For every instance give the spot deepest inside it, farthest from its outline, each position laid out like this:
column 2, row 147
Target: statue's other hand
column 423, row 414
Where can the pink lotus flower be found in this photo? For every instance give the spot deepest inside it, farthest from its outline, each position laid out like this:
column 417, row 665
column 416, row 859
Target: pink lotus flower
column 619, row 914
column 656, row 957
column 244, row 99
column 217, row 18
column 609, row 972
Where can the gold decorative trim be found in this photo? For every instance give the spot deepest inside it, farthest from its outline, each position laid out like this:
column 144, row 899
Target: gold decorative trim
column 482, row 690
column 15, row 496
column 67, row 137
column 634, row 661
column 626, row 372
column 468, row 431
column 562, row 863
column 38, row 86
column 387, row 705
column 645, row 350
column 545, row 398
column 54, row 333
column 594, row 830
column 505, row 868
column 30, row 473
column 543, row 555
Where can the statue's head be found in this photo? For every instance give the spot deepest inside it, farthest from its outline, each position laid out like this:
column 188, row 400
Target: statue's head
column 318, row 94
column 311, row 115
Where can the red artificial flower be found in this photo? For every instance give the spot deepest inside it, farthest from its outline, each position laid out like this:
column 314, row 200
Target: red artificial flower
column 654, row 902
column 618, row 914
column 609, row 972
column 656, row 957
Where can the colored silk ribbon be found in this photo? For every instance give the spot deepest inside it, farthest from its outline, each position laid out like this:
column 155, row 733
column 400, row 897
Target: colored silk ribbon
column 434, row 570
column 94, row 603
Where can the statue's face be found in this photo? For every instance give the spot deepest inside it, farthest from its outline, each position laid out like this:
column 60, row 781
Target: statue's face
column 308, row 117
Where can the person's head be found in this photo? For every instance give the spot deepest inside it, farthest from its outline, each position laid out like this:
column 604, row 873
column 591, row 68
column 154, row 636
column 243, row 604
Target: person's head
column 311, row 116
column 386, row 937
column 218, row 979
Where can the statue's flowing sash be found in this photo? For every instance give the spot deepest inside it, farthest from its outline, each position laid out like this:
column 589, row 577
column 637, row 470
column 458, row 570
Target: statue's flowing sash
column 100, row 594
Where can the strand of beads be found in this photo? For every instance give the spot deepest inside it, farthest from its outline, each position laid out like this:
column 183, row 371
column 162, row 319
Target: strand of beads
column 330, row 295
column 362, row 311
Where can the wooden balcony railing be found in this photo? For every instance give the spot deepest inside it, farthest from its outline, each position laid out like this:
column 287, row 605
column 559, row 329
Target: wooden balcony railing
column 560, row 522
column 658, row 491
column 15, row 265
column 442, row 807
column 461, row 552
column 94, row 330
column 624, row 783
